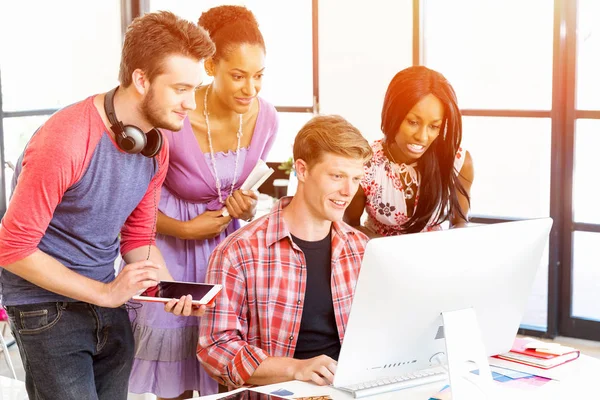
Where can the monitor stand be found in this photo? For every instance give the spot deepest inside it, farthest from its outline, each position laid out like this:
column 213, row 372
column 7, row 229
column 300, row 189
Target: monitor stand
column 464, row 348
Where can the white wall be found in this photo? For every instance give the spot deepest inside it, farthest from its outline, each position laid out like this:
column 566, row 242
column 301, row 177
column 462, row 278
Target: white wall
column 362, row 45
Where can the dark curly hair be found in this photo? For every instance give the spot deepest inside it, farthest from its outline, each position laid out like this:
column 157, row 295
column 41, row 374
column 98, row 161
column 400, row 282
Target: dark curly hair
column 231, row 26
column 439, row 181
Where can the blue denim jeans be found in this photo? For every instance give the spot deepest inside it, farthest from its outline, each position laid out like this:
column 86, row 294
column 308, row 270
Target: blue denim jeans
column 73, row 350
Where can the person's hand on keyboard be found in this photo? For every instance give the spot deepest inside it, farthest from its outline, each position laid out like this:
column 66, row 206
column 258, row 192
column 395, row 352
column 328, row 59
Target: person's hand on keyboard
column 319, row 370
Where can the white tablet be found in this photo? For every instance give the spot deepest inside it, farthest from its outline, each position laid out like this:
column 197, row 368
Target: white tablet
column 165, row 291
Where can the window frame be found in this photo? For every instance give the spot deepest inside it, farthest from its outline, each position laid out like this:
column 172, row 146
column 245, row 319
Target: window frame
column 563, row 116
column 131, row 9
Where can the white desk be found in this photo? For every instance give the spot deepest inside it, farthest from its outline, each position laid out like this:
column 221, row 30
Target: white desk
column 577, row 379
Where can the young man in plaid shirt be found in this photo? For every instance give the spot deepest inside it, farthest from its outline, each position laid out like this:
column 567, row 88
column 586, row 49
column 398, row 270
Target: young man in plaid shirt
column 289, row 276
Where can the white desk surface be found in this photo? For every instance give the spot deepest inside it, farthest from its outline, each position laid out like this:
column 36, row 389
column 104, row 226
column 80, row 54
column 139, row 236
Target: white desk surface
column 577, row 379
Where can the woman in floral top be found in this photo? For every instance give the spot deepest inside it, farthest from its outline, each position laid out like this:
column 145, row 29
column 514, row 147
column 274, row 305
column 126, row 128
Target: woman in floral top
column 419, row 176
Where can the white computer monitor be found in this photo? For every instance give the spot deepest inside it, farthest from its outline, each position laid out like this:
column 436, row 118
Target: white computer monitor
column 406, row 282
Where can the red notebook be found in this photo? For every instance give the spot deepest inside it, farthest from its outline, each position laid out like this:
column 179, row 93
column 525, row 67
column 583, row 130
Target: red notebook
column 539, row 354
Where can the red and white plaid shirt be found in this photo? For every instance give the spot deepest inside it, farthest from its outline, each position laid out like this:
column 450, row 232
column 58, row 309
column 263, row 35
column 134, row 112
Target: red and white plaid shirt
column 263, row 274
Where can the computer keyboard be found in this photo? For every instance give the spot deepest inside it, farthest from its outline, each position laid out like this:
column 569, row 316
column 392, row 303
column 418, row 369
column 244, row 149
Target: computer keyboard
column 389, row 384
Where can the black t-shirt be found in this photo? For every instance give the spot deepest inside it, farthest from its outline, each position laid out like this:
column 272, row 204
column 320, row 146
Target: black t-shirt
column 318, row 330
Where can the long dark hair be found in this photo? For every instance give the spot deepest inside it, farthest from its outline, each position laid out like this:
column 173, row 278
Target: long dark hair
column 439, row 182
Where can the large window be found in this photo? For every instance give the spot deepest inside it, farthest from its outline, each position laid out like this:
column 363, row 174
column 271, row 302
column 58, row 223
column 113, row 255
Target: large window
column 58, row 54
column 76, row 53
column 588, row 55
column 503, row 81
column 496, row 54
column 581, row 297
column 50, row 57
column 512, row 160
column 585, row 171
column 17, row 130
column 526, row 77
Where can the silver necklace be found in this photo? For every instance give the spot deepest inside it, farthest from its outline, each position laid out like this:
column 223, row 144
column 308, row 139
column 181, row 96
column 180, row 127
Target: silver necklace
column 212, row 152
column 409, row 193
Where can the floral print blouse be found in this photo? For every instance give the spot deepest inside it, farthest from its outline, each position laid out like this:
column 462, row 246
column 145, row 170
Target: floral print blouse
column 384, row 190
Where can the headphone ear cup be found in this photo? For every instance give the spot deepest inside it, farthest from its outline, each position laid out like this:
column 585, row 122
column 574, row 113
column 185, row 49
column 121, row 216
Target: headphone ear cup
column 134, row 140
column 154, row 142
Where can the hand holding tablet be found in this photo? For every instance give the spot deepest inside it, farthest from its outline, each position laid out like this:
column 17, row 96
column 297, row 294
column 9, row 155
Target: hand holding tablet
column 165, row 291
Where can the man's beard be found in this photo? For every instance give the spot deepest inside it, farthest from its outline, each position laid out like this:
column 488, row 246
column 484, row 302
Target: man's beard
column 152, row 112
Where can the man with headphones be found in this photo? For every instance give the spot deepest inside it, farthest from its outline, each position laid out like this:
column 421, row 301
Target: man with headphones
column 90, row 174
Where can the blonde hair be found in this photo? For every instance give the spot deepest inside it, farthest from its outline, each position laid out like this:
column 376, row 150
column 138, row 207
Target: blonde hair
column 330, row 134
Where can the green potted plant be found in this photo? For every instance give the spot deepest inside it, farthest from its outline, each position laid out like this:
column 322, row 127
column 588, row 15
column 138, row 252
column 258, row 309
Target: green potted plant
column 287, row 166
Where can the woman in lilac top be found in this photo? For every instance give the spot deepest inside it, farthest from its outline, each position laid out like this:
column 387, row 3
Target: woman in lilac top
column 220, row 143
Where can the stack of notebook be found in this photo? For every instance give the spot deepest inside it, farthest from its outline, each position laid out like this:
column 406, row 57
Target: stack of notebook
column 539, row 354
